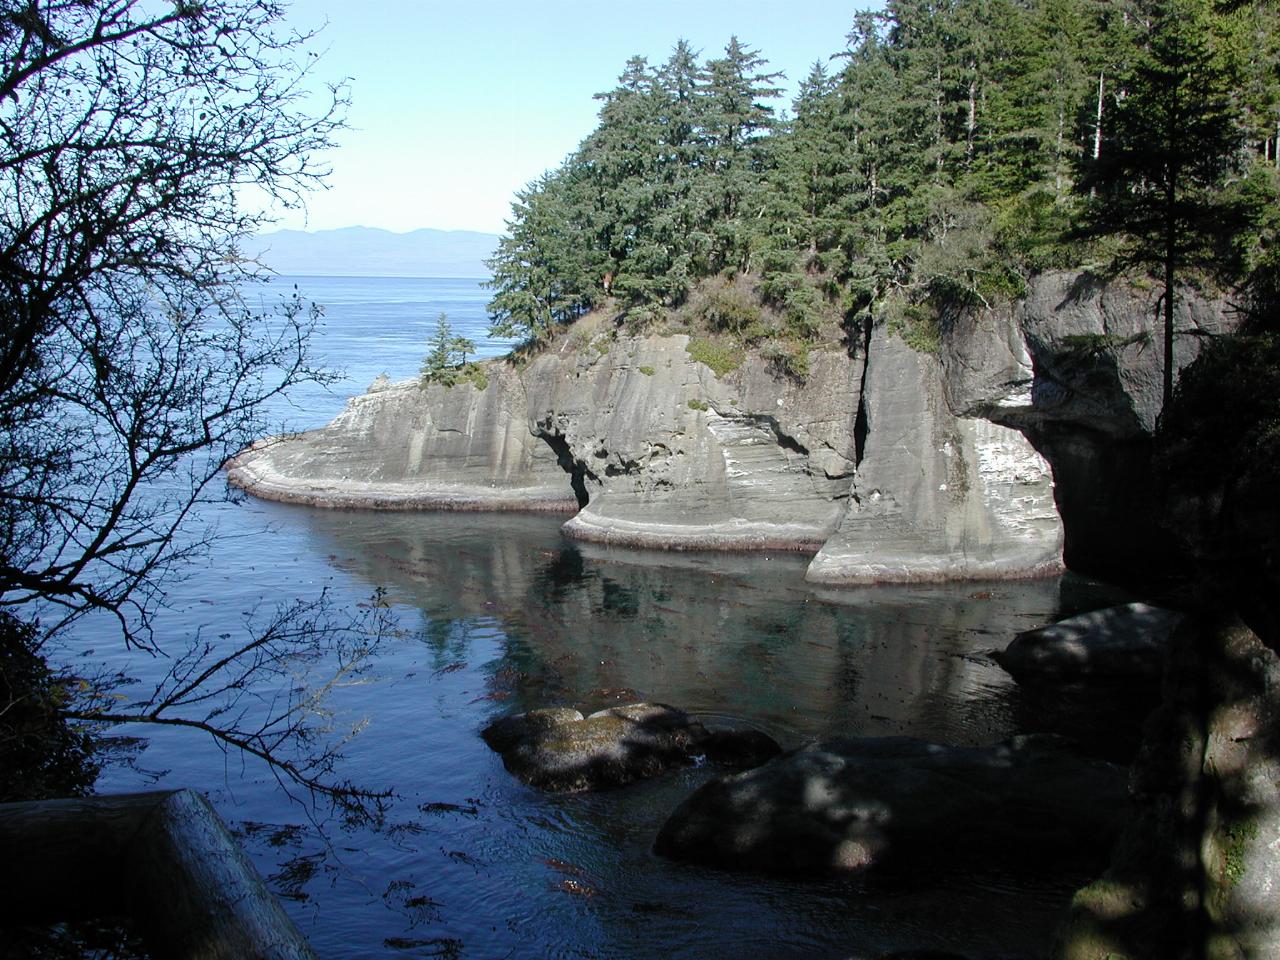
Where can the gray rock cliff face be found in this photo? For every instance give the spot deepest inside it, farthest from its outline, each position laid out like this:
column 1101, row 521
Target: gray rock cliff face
column 648, row 445
column 678, row 459
column 938, row 497
column 402, row 447
column 1075, row 366
column 1031, row 411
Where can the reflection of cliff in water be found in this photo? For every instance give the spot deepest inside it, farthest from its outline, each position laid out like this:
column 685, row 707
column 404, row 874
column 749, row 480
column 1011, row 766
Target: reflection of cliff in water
column 734, row 635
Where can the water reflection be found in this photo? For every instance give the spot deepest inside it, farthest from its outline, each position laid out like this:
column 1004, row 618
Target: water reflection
column 498, row 614
column 740, row 636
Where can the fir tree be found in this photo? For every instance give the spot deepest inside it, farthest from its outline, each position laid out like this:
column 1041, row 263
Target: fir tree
column 1173, row 142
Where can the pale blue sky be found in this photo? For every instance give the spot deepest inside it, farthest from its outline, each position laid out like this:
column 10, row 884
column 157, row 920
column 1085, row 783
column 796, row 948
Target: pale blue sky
column 456, row 107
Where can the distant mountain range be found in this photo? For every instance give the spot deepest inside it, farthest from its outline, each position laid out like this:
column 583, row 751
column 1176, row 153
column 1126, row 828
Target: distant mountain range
column 370, row 252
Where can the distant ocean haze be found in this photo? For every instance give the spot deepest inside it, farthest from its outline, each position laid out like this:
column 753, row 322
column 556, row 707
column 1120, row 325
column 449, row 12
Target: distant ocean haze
column 375, row 325
column 372, row 252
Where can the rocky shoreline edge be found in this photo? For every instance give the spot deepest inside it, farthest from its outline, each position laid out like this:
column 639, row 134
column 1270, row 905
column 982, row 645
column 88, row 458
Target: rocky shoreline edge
column 982, row 461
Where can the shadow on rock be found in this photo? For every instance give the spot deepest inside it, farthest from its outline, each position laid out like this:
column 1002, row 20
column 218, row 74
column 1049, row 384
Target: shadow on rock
column 561, row 750
column 846, row 806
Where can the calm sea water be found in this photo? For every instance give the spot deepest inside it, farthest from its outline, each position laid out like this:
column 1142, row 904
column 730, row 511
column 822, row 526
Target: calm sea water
column 499, row 613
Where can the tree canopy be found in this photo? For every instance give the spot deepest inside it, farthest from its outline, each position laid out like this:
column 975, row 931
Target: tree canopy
column 946, row 152
column 132, row 366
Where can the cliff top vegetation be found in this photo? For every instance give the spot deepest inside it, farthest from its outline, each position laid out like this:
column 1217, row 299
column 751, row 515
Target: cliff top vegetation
column 943, row 154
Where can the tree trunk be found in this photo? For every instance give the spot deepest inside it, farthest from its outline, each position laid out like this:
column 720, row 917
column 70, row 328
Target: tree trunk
column 165, row 861
column 1097, row 122
column 971, row 123
column 1167, row 393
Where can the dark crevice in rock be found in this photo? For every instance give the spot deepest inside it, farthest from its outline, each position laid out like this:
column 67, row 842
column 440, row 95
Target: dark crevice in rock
column 579, row 472
column 785, row 440
column 622, row 468
column 1103, row 489
column 861, row 425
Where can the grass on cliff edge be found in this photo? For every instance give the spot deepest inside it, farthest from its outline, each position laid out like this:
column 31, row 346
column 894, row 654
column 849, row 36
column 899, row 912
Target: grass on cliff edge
column 725, row 317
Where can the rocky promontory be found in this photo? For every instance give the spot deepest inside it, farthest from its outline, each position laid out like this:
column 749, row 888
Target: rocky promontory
column 888, row 463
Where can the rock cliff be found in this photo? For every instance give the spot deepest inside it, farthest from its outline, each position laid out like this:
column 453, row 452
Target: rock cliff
column 891, row 465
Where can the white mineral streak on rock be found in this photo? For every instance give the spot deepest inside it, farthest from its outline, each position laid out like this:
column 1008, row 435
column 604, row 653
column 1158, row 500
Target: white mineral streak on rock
column 670, row 456
column 938, row 497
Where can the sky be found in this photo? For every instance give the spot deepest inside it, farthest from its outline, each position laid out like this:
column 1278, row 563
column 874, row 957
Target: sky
column 456, row 106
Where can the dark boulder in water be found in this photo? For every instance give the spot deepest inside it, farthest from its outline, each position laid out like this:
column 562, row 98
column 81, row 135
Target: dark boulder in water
column 559, row 749
column 1118, row 642
column 845, row 806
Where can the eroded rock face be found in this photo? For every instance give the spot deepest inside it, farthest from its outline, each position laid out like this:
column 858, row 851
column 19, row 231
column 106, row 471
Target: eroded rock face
column 561, row 750
column 677, row 458
column 1075, row 366
column 846, row 806
column 1118, row 642
column 938, row 497
column 656, row 450
column 1036, row 409
column 402, row 447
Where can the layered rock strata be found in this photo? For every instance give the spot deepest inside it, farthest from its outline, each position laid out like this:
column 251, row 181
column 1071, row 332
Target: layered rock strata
column 938, row 497
column 647, row 444
column 889, row 464
column 401, row 447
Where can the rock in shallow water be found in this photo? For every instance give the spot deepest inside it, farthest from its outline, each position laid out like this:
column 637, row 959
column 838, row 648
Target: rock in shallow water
column 1124, row 641
column 559, row 749
column 845, row 806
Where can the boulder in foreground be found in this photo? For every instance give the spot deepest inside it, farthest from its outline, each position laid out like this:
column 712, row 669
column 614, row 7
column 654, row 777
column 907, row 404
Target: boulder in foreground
column 559, row 749
column 846, row 806
column 1124, row 641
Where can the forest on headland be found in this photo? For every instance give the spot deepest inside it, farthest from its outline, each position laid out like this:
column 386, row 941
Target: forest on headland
column 943, row 154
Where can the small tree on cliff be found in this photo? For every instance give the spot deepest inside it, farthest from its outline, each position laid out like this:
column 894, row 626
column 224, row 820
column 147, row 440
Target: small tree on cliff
column 1174, row 140
column 446, row 362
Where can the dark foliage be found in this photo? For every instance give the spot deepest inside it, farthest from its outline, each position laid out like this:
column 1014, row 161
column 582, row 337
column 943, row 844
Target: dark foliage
column 41, row 754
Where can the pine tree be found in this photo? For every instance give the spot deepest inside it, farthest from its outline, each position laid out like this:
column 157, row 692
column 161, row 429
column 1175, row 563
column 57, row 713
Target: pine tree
column 446, row 361
column 1173, row 142
column 806, row 180
column 736, row 120
column 546, row 267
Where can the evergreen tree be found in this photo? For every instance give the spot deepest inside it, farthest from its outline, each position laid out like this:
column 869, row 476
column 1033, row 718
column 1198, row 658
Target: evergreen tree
column 546, row 266
column 806, row 181
column 736, row 119
column 447, row 357
column 621, row 157
column 1173, row 142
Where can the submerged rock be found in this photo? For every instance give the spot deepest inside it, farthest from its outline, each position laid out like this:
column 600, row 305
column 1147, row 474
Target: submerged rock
column 1124, row 641
column 559, row 749
column 845, row 806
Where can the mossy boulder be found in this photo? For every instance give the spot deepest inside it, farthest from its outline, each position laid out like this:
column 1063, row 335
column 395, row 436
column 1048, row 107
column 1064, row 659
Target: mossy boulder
column 561, row 750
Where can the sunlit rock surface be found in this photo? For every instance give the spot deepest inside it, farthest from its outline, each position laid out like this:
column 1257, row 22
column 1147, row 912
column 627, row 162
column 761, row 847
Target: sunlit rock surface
column 889, row 464
column 938, row 497
column 401, row 447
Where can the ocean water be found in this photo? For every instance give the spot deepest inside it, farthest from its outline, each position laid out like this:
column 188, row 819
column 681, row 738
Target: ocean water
column 493, row 614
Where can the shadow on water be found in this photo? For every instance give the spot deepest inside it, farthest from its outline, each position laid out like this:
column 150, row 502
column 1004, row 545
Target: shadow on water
column 511, row 616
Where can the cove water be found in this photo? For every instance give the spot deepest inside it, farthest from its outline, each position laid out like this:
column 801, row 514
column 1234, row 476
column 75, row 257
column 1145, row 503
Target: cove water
column 496, row 614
